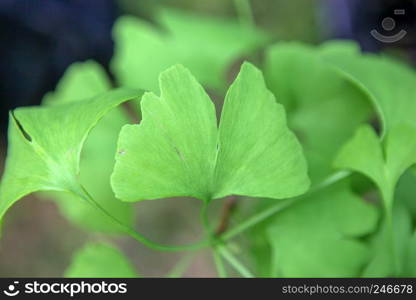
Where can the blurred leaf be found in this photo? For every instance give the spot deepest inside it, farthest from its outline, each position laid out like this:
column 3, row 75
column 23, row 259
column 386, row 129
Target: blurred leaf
column 45, row 145
column 177, row 149
column 102, row 261
column 384, row 263
column 404, row 217
column 260, row 251
column 390, row 83
column 410, row 265
column 82, row 81
column 319, row 236
column 385, row 159
column 383, row 162
column 391, row 87
column 406, row 192
column 324, row 105
column 205, row 45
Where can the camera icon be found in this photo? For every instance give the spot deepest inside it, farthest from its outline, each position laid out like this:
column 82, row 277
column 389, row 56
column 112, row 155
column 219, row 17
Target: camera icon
column 11, row 290
column 389, row 24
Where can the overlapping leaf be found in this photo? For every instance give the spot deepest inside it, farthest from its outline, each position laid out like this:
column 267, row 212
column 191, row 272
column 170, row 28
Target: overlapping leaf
column 383, row 162
column 319, row 236
column 383, row 159
column 325, row 106
column 410, row 267
column 45, row 144
column 390, row 256
column 406, row 192
column 100, row 261
column 80, row 82
column 205, row 45
column 177, row 149
column 390, row 83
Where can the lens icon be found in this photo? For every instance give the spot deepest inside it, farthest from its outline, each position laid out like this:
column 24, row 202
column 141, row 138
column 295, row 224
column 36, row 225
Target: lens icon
column 11, row 290
column 389, row 24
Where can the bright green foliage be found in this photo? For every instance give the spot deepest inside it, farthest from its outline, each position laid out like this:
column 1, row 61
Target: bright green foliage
column 383, row 159
column 179, row 148
column 318, row 236
column 100, row 260
column 383, row 162
column 405, row 191
column 324, row 105
column 45, row 144
column 383, row 263
column 390, row 83
column 410, row 263
column 205, row 45
column 178, row 151
column 80, row 82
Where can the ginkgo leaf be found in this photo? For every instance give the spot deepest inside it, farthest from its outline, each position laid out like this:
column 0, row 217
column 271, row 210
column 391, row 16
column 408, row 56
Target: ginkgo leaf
column 258, row 155
column 311, row 88
column 177, row 149
column 208, row 47
column 45, row 145
column 390, row 83
column 82, row 81
column 100, row 261
column 382, row 161
column 320, row 235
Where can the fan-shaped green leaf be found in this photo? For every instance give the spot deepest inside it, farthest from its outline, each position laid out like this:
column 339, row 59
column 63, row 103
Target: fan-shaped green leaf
column 390, row 83
column 313, row 90
column 383, row 162
column 80, row 82
column 178, row 151
column 45, row 144
column 207, row 47
column 319, row 236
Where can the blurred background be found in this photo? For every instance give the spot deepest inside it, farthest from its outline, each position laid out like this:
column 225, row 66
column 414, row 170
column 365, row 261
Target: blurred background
column 40, row 39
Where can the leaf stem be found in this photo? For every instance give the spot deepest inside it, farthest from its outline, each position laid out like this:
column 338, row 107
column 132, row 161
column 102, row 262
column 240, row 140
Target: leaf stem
column 388, row 198
column 256, row 219
column 233, row 261
column 245, row 12
column 281, row 205
column 205, row 220
column 227, row 211
column 219, row 264
column 180, row 267
column 135, row 235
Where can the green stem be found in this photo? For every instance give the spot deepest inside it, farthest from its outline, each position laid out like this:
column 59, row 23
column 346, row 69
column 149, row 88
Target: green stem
column 281, row 205
column 219, row 264
column 388, row 198
column 244, row 12
column 233, row 261
column 180, row 268
column 135, row 235
column 334, row 178
column 205, row 219
column 256, row 219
